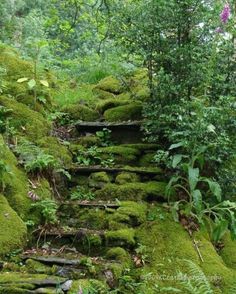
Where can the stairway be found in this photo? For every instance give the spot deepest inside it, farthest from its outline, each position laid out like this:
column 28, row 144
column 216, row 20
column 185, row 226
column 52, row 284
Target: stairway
column 94, row 244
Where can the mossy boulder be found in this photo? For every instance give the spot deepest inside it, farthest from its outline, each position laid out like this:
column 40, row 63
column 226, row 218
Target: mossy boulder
column 165, row 259
column 13, row 230
column 89, row 140
column 122, row 155
column 110, row 84
column 228, row 252
column 80, row 112
column 15, row 182
column 119, row 254
column 17, row 68
column 60, row 152
column 133, row 191
column 123, row 237
column 136, row 212
column 103, row 95
column 127, row 177
column 36, row 267
column 147, row 160
column 102, row 106
column 132, row 111
column 99, row 179
column 26, row 122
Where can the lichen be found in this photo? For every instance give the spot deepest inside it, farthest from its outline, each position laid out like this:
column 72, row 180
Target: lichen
column 133, row 191
column 13, row 232
column 126, row 177
column 132, row 111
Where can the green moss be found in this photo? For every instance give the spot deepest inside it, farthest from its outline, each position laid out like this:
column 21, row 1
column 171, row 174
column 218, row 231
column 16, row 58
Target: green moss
column 27, row 122
column 16, row 182
column 87, row 285
column 99, row 179
column 126, row 177
column 123, row 237
column 60, row 152
column 167, row 244
column 35, row 267
column 122, row 154
column 110, row 84
column 142, row 146
column 132, row 111
column 13, row 232
column 124, row 96
column 103, row 95
column 18, row 68
column 119, row 254
column 88, row 141
column 136, row 212
column 228, row 252
column 80, row 112
column 147, row 160
column 102, row 106
column 141, row 92
column 133, row 191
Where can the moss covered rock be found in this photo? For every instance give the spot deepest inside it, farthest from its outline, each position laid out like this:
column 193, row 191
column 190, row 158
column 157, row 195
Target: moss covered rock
column 99, row 179
column 89, row 140
column 13, row 230
column 110, row 84
column 167, row 259
column 15, row 181
column 122, row 155
column 132, row 111
column 26, row 122
column 60, row 152
column 147, row 160
column 228, row 252
column 102, row 106
column 123, row 237
column 133, row 191
column 126, row 177
column 103, row 95
column 80, row 112
column 17, row 68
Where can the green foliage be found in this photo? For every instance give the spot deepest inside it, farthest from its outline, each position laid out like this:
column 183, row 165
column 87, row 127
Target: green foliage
column 82, row 194
column 48, row 208
column 105, row 137
column 92, row 156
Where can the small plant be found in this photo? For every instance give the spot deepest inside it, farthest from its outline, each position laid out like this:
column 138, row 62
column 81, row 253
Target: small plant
column 92, row 156
column 34, row 81
column 48, row 208
column 82, row 194
column 105, row 137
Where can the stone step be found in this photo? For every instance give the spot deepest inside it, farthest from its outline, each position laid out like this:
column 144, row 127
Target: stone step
column 123, row 132
column 91, row 204
column 150, row 171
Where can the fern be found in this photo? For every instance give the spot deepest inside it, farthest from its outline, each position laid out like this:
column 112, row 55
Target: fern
column 195, row 282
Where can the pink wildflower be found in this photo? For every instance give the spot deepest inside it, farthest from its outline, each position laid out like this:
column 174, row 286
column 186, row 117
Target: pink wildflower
column 225, row 14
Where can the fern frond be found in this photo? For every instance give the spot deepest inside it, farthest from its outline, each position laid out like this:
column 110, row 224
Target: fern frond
column 196, row 282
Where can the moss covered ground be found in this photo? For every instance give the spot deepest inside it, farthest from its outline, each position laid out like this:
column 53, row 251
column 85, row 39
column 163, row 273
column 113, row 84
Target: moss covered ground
column 117, row 224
